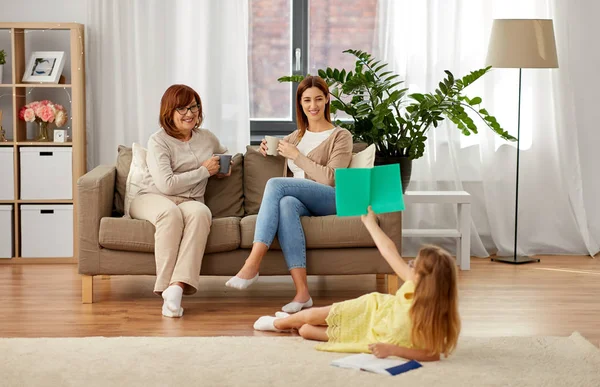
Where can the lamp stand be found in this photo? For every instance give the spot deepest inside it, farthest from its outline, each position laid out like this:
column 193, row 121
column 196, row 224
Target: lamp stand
column 517, row 259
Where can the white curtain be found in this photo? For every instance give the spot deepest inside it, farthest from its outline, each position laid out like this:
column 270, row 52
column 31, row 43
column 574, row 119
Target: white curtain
column 421, row 39
column 138, row 48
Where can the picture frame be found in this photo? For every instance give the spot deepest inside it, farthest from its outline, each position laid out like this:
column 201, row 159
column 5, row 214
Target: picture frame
column 44, row 67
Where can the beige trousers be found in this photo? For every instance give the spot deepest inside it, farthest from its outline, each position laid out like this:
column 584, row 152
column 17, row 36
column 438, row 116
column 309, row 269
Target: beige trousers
column 182, row 227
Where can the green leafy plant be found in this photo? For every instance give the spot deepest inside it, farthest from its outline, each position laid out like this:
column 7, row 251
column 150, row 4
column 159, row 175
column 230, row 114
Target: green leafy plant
column 2, row 57
column 396, row 122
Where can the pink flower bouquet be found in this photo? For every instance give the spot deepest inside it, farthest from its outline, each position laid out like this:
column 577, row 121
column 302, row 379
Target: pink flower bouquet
column 44, row 111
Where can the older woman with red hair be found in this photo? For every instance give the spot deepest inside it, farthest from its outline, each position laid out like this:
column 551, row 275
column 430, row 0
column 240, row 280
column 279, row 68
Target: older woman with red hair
column 180, row 160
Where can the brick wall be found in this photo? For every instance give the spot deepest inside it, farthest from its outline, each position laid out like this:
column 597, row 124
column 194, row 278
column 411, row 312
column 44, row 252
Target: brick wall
column 335, row 25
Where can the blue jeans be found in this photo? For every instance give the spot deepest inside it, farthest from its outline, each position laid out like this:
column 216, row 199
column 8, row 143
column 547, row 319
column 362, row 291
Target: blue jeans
column 285, row 200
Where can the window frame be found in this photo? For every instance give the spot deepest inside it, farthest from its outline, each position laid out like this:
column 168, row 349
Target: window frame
column 260, row 127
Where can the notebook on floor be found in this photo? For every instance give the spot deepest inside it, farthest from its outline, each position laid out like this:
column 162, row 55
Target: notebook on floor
column 370, row 363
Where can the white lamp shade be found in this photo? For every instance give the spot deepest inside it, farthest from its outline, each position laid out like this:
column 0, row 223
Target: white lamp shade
column 522, row 43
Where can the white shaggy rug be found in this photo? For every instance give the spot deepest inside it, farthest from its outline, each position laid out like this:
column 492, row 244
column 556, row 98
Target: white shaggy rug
column 285, row 361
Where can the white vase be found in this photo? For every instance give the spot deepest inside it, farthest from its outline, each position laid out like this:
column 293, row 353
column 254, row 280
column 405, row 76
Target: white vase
column 1, row 71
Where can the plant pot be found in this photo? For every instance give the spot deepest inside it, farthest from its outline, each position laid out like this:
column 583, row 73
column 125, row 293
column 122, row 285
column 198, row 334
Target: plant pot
column 1, row 71
column 405, row 167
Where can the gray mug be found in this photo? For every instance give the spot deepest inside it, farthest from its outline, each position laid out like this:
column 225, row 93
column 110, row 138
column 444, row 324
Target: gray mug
column 224, row 164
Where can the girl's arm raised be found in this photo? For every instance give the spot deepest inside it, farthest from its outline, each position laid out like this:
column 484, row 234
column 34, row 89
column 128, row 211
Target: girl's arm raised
column 386, row 247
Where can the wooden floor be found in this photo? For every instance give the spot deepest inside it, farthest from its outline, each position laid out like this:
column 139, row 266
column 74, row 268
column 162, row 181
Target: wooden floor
column 555, row 297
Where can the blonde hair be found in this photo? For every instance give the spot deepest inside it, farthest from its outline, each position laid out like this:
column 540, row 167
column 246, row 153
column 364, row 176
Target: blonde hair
column 434, row 311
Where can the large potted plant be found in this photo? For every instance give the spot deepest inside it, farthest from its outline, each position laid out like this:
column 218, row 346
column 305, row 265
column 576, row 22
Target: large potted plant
column 396, row 122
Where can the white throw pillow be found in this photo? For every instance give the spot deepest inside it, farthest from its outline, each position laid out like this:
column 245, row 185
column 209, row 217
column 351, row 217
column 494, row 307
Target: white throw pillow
column 136, row 176
column 364, row 158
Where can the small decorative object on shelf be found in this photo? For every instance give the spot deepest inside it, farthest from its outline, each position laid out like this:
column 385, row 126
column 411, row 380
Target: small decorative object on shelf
column 44, row 67
column 44, row 113
column 60, row 135
column 42, row 132
column 2, row 62
column 2, row 133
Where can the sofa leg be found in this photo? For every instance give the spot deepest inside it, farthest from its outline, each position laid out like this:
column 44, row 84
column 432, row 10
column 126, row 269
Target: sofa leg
column 393, row 283
column 87, row 289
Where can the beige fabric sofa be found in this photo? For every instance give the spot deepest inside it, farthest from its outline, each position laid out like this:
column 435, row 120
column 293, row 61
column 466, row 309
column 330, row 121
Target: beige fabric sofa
column 110, row 244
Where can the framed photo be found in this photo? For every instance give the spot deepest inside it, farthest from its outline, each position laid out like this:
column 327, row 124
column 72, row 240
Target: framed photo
column 44, row 66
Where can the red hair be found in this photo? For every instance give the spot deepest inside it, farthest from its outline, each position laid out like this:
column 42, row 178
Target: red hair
column 174, row 97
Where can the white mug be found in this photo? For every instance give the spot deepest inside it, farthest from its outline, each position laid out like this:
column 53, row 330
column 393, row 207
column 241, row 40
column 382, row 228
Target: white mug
column 272, row 143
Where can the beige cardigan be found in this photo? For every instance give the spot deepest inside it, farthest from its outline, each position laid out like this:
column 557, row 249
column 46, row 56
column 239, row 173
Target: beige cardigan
column 175, row 167
column 319, row 164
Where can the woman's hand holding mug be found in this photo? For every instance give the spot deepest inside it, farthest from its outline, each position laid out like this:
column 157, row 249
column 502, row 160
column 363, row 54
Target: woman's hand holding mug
column 212, row 165
column 288, row 150
column 263, row 147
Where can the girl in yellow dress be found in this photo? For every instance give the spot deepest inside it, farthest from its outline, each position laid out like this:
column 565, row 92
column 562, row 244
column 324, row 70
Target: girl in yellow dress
column 419, row 322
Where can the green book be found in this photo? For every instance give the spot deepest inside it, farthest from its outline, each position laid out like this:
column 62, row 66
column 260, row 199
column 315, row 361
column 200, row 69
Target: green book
column 358, row 188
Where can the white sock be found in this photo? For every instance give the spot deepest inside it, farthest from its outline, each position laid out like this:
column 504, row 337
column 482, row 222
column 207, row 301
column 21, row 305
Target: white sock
column 267, row 323
column 240, row 283
column 281, row 314
column 172, row 296
column 295, row 306
column 167, row 313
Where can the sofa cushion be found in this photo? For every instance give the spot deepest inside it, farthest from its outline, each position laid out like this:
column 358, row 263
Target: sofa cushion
column 258, row 169
column 138, row 235
column 364, row 158
column 123, row 164
column 225, row 197
column 320, row 232
column 138, row 176
column 359, row 147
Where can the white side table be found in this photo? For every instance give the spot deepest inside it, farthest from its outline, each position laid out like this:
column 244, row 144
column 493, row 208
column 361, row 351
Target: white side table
column 462, row 199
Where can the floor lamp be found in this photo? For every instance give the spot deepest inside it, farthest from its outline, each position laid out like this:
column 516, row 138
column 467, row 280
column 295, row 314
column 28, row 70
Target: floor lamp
column 521, row 43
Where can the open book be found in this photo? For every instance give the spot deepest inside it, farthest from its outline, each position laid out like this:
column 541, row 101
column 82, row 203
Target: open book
column 368, row 362
column 358, row 188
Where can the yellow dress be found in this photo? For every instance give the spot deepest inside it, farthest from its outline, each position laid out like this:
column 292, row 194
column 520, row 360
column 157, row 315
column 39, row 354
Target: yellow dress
column 373, row 318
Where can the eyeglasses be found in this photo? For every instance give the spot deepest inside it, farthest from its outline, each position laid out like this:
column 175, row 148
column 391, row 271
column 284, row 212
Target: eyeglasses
column 183, row 110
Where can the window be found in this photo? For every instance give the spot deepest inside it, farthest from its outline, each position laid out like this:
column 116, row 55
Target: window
column 338, row 25
column 270, row 57
column 318, row 32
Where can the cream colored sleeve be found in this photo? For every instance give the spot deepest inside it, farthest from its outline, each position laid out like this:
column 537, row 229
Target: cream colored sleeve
column 168, row 182
column 219, row 148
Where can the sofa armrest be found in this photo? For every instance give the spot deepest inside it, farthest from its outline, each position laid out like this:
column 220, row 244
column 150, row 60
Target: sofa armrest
column 95, row 193
column 391, row 224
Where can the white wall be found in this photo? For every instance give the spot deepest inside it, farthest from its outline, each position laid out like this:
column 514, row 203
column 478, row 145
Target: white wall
column 71, row 11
